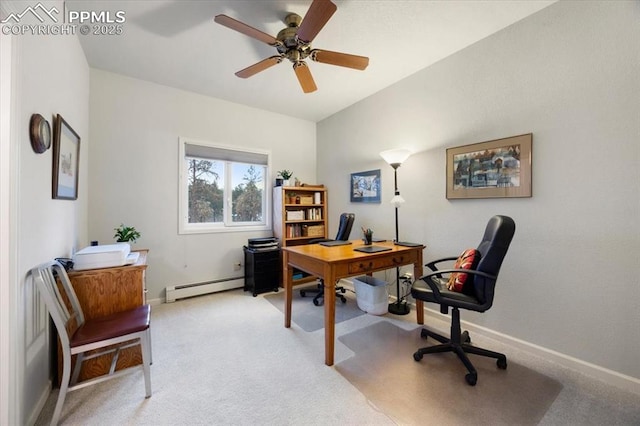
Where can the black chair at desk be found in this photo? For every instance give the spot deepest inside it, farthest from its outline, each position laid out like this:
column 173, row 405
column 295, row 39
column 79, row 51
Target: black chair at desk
column 472, row 289
column 344, row 230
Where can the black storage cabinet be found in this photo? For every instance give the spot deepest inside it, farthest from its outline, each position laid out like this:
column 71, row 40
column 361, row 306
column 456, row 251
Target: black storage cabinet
column 261, row 270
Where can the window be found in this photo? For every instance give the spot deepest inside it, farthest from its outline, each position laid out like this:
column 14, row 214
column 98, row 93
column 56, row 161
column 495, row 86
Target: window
column 222, row 188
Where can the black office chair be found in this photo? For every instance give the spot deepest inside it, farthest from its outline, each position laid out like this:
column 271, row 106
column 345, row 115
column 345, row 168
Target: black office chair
column 477, row 294
column 344, row 230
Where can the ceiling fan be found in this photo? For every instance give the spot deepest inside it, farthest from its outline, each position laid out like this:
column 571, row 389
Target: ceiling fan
column 294, row 44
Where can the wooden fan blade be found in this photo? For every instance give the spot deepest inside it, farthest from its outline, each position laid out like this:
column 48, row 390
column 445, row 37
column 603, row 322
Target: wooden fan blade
column 304, row 77
column 317, row 16
column 260, row 66
column 246, row 29
column 340, row 59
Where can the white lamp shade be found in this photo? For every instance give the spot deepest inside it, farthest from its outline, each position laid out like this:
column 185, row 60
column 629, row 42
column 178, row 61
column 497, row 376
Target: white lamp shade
column 395, row 156
column 397, row 201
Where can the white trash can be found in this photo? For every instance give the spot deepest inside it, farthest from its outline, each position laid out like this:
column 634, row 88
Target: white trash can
column 372, row 295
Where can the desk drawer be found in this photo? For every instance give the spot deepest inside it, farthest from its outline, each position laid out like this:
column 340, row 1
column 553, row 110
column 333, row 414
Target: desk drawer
column 376, row 264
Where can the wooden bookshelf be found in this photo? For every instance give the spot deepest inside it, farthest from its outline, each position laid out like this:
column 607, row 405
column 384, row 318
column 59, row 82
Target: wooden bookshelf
column 298, row 217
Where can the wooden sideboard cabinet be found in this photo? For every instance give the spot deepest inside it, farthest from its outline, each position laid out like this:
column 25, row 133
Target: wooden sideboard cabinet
column 103, row 292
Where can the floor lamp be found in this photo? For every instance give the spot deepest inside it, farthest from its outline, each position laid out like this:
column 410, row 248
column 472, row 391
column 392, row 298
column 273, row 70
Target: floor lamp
column 395, row 157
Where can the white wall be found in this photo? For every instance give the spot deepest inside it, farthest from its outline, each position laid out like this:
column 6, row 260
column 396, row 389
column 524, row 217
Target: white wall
column 50, row 76
column 135, row 126
column 570, row 75
column 8, row 311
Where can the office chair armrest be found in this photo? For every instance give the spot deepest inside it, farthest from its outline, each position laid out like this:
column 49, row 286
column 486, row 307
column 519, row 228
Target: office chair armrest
column 438, row 273
column 432, row 265
column 445, row 300
column 466, row 271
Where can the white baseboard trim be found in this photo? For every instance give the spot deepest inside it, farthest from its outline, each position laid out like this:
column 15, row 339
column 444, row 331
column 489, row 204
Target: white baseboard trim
column 175, row 292
column 606, row 375
column 37, row 409
column 153, row 302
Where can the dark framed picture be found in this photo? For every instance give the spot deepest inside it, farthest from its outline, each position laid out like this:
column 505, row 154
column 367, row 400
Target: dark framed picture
column 365, row 187
column 494, row 169
column 66, row 160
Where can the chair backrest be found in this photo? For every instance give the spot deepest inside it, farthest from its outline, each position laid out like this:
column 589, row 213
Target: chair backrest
column 344, row 228
column 61, row 299
column 493, row 248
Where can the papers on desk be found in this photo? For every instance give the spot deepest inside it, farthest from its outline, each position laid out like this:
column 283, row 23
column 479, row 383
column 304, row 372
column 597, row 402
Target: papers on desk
column 372, row 249
column 132, row 258
column 335, row 243
column 407, row 244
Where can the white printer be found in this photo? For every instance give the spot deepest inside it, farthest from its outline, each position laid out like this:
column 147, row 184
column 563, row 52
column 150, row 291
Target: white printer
column 104, row 256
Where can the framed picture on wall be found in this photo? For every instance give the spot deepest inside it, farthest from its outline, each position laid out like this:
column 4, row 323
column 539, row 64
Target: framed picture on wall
column 365, row 187
column 494, row 169
column 66, row 160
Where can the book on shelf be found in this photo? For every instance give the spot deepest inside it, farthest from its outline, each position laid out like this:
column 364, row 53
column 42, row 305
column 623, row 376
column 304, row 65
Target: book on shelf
column 313, row 214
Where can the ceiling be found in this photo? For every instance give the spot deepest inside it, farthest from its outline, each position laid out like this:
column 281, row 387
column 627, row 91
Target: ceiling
column 177, row 43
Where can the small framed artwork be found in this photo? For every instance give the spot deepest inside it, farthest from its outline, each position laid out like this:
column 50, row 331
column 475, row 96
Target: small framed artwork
column 494, row 169
column 66, row 160
column 365, row 187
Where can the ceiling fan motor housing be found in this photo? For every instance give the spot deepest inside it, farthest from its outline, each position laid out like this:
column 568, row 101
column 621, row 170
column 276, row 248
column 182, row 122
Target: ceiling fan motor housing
column 292, row 47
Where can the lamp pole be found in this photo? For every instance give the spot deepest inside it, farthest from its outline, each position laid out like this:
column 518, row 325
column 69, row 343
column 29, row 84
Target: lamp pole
column 398, row 307
column 395, row 157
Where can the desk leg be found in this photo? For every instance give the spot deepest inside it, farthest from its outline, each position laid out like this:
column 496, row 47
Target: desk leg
column 417, row 273
column 420, row 312
column 329, row 316
column 288, row 288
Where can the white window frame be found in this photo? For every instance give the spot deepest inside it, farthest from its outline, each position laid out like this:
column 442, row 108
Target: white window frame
column 184, row 227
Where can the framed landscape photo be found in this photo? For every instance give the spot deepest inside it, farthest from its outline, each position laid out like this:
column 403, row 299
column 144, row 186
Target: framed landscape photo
column 499, row 168
column 365, row 187
column 66, row 160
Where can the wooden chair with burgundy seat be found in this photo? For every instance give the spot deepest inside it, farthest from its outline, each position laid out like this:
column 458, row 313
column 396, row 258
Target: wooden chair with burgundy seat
column 78, row 336
column 475, row 293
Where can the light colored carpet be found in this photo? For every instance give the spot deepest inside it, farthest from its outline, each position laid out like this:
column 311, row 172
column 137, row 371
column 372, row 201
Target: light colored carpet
column 310, row 317
column 226, row 359
column 384, row 370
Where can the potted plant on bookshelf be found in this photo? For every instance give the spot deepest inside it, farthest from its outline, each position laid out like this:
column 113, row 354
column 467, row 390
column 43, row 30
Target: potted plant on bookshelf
column 125, row 234
column 290, row 197
column 285, row 175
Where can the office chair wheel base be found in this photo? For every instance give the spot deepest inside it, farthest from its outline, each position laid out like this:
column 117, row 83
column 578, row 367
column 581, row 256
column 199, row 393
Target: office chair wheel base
column 303, row 293
column 342, row 290
column 471, row 379
column 502, row 363
column 417, row 356
column 344, row 300
column 317, row 302
column 465, row 337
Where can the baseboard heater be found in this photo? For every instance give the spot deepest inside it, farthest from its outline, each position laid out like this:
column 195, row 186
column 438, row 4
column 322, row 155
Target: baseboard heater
column 182, row 291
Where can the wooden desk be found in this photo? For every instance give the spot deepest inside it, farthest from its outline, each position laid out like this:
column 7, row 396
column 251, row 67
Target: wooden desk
column 334, row 263
column 105, row 291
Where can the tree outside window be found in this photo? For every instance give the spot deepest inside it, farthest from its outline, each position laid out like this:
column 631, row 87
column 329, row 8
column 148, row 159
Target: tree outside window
column 206, row 189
